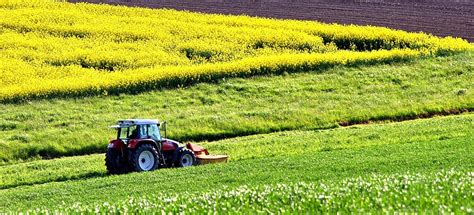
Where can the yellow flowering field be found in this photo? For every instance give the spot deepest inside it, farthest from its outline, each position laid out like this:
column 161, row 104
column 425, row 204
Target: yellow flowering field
column 56, row 49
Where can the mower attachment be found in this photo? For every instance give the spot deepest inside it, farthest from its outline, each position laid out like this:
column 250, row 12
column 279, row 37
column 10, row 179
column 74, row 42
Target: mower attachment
column 203, row 156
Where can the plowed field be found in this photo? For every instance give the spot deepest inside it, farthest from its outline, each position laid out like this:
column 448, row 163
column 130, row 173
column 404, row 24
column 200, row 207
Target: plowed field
column 439, row 17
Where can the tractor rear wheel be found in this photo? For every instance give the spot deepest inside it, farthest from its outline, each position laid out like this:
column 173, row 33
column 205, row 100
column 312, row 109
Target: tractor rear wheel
column 185, row 158
column 145, row 158
column 115, row 162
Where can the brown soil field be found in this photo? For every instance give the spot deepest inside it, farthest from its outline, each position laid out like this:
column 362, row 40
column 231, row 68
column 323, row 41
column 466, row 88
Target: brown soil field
column 438, row 17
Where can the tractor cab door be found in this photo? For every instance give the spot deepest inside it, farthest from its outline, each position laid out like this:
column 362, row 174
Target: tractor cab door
column 154, row 133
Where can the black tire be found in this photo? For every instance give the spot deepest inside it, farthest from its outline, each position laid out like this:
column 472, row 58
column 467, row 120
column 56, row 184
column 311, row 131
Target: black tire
column 149, row 160
column 115, row 162
column 185, row 158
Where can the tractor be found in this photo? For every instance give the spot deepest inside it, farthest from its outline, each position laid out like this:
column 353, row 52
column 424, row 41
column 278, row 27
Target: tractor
column 139, row 146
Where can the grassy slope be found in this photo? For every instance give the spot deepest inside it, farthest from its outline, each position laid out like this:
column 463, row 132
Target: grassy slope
column 263, row 145
column 421, row 146
column 238, row 107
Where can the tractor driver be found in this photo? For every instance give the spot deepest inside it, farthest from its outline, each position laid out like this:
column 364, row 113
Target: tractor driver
column 134, row 134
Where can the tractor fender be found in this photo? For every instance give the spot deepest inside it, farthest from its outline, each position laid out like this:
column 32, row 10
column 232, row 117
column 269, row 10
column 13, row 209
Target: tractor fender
column 135, row 143
column 117, row 144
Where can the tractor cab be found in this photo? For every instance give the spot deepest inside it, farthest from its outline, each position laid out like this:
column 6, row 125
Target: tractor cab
column 138, row 129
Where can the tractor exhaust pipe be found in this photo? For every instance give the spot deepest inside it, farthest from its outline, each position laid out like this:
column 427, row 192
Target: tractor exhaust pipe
column 164, row 129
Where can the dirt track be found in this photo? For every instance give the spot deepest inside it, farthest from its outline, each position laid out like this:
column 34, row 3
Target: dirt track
column 439, row 17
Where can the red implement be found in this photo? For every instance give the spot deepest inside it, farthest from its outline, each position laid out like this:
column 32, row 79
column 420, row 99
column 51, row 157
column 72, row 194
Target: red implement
column 203, row 156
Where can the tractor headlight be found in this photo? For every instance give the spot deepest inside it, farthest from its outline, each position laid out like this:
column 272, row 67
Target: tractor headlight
column 111, row 145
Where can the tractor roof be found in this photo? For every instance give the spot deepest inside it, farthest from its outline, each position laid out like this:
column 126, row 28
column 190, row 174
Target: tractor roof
column 132, row 122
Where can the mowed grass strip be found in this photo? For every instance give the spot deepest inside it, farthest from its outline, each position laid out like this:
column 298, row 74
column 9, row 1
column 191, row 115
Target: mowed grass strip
column 239, row 107
column 286, row 157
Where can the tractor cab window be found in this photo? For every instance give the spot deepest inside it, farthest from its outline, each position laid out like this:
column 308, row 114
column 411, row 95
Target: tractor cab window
column 123, row 133
column 154, row 132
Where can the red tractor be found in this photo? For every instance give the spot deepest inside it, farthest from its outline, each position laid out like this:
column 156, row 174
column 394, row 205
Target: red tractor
column 140, row 147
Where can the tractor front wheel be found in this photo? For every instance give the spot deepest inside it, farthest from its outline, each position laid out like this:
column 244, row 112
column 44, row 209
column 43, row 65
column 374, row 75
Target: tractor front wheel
column 145, row 158
column 185, row 158
column 115, row 162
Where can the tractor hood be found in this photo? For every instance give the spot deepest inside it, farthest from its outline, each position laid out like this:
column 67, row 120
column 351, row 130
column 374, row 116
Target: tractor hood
column 169, row 141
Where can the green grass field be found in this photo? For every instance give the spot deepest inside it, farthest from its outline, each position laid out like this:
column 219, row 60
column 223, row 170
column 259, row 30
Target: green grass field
column 238, row 107
column 315, row 118
column 418, row 148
